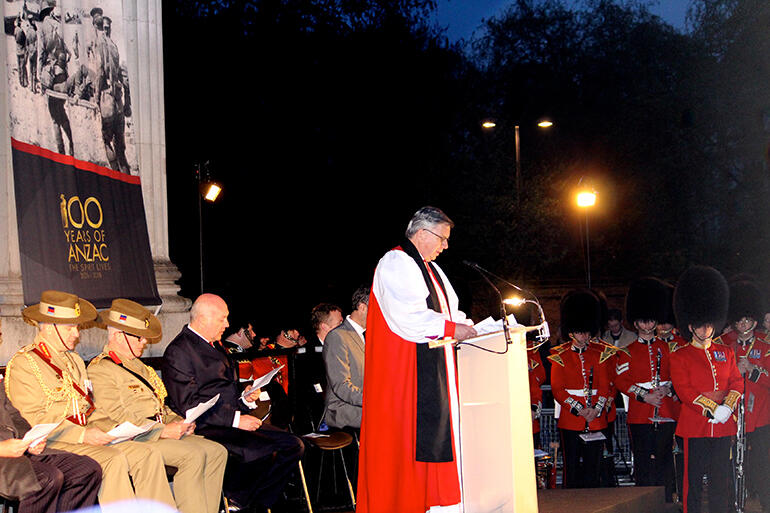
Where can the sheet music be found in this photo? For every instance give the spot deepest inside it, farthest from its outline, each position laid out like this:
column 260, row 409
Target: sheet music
column 196, row 411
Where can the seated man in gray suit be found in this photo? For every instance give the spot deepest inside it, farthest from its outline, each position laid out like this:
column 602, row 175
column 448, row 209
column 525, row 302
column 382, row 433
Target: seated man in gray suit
column 343, row 354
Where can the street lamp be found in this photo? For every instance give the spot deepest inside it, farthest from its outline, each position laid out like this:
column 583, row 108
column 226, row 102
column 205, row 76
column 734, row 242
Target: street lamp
column 208, row 190
column 489, row 124
column 585, row 199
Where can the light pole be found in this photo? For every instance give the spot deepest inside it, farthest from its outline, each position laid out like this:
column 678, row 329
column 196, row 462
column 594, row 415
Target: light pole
column 490, row 125
column 586, row 198
column 208, row 190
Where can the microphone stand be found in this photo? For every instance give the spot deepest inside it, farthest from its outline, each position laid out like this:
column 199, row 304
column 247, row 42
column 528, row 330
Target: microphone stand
column 483, row 272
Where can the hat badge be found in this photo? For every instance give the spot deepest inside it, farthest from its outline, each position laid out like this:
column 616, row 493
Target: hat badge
column 147, row 323
column 77, row 309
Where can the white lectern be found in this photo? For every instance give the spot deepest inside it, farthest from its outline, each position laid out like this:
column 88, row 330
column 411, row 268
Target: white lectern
column 496, row 451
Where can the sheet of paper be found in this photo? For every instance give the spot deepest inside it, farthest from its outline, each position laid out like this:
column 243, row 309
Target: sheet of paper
column 490, row 325
column 596, row 436
column 128, row 430
column 38, row 432
column 196, row 411
column 262, row 381
column 315, row 435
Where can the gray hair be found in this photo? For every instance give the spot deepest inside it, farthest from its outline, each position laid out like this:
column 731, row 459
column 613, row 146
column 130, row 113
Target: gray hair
column 361, row 295
column 427, row 217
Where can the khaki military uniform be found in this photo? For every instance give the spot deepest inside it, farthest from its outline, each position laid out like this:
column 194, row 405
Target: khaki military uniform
column 42, row 396
column 121, row 396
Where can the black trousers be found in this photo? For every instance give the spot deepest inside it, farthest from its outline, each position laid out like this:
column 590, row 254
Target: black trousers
column 67, row 481
column 653, row 455
column 757, row 464
column 259, row 463
column 710, row 457
column 577, row 473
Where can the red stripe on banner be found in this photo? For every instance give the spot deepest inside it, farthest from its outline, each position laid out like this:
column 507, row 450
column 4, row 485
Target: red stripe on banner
column 72, row 161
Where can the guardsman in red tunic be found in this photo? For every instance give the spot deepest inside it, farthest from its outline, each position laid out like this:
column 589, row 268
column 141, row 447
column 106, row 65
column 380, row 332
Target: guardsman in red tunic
column 753, row 353
column 536, row 379
column 580, row 386
column 706, row 379
column 643, row 374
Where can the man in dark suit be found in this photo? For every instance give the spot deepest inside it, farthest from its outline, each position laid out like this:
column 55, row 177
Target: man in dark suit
column 310, row 370
column 343, row 354
column 43, row 480
column 195, row 369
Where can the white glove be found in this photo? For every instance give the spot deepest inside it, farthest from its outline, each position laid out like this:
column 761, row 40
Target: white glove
column 721, row 414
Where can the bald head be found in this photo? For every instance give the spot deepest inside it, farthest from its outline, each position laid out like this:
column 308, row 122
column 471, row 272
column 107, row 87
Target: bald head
column 208, row 316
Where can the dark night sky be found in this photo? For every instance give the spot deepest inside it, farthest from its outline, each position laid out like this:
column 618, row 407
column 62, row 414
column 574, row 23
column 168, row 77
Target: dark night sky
column 327, row 145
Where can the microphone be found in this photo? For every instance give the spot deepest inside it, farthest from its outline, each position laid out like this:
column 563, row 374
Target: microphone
column 543, row 331
column 483, row 272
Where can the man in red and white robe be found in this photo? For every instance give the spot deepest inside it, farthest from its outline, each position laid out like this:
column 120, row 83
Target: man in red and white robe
column 410, row 426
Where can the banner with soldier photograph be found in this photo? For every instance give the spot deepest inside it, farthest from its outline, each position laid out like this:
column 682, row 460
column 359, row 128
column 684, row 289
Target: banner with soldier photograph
column 82, row 226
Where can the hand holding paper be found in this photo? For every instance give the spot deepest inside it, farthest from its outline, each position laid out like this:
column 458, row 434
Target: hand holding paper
column 127, row 431
column 261, row 381
column 39, row 432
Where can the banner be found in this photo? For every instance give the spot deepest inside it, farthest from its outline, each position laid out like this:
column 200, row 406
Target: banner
column 79, row 206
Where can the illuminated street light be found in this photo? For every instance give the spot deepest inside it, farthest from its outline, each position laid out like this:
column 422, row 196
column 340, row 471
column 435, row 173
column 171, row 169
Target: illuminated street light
column 209, row 190
column 586, row 198
column 489, row 124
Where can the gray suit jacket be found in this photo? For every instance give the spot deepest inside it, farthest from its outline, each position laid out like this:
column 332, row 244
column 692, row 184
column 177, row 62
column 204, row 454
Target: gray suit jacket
column 344, row 358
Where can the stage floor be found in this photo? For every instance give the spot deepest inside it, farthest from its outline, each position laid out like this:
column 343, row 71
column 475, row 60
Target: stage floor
column 626, row 499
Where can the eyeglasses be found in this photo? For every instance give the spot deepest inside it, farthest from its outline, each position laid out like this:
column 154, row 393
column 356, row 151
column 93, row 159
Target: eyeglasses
column 443, row 239
column 127, row 334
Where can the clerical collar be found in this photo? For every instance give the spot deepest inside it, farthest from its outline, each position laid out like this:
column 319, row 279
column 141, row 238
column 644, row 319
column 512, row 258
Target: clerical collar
column 579, row 350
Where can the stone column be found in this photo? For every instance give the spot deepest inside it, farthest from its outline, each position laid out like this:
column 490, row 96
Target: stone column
column 142, row 21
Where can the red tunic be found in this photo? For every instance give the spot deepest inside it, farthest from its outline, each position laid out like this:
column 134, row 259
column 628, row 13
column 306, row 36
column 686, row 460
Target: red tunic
column 637, row 367
column 536, row 378
column 610, row 356
column 757, row 391
column 390, row 479
column 703, row 379
column 570, row 373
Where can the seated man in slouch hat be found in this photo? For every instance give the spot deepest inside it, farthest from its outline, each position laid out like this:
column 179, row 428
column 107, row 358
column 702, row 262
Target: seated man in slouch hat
column 127, row 390
column 47, row 382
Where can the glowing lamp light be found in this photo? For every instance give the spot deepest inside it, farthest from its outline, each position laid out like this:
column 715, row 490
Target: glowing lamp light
column 586, row 199
column 514, row 301
column 211, row 191
column 545, row 123
column 488, row 124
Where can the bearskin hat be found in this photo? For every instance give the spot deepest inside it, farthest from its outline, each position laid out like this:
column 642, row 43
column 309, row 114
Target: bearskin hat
column 581, row 311
column 746, row 300
column 701, row 297
column 646, row 300
column 668, row 314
